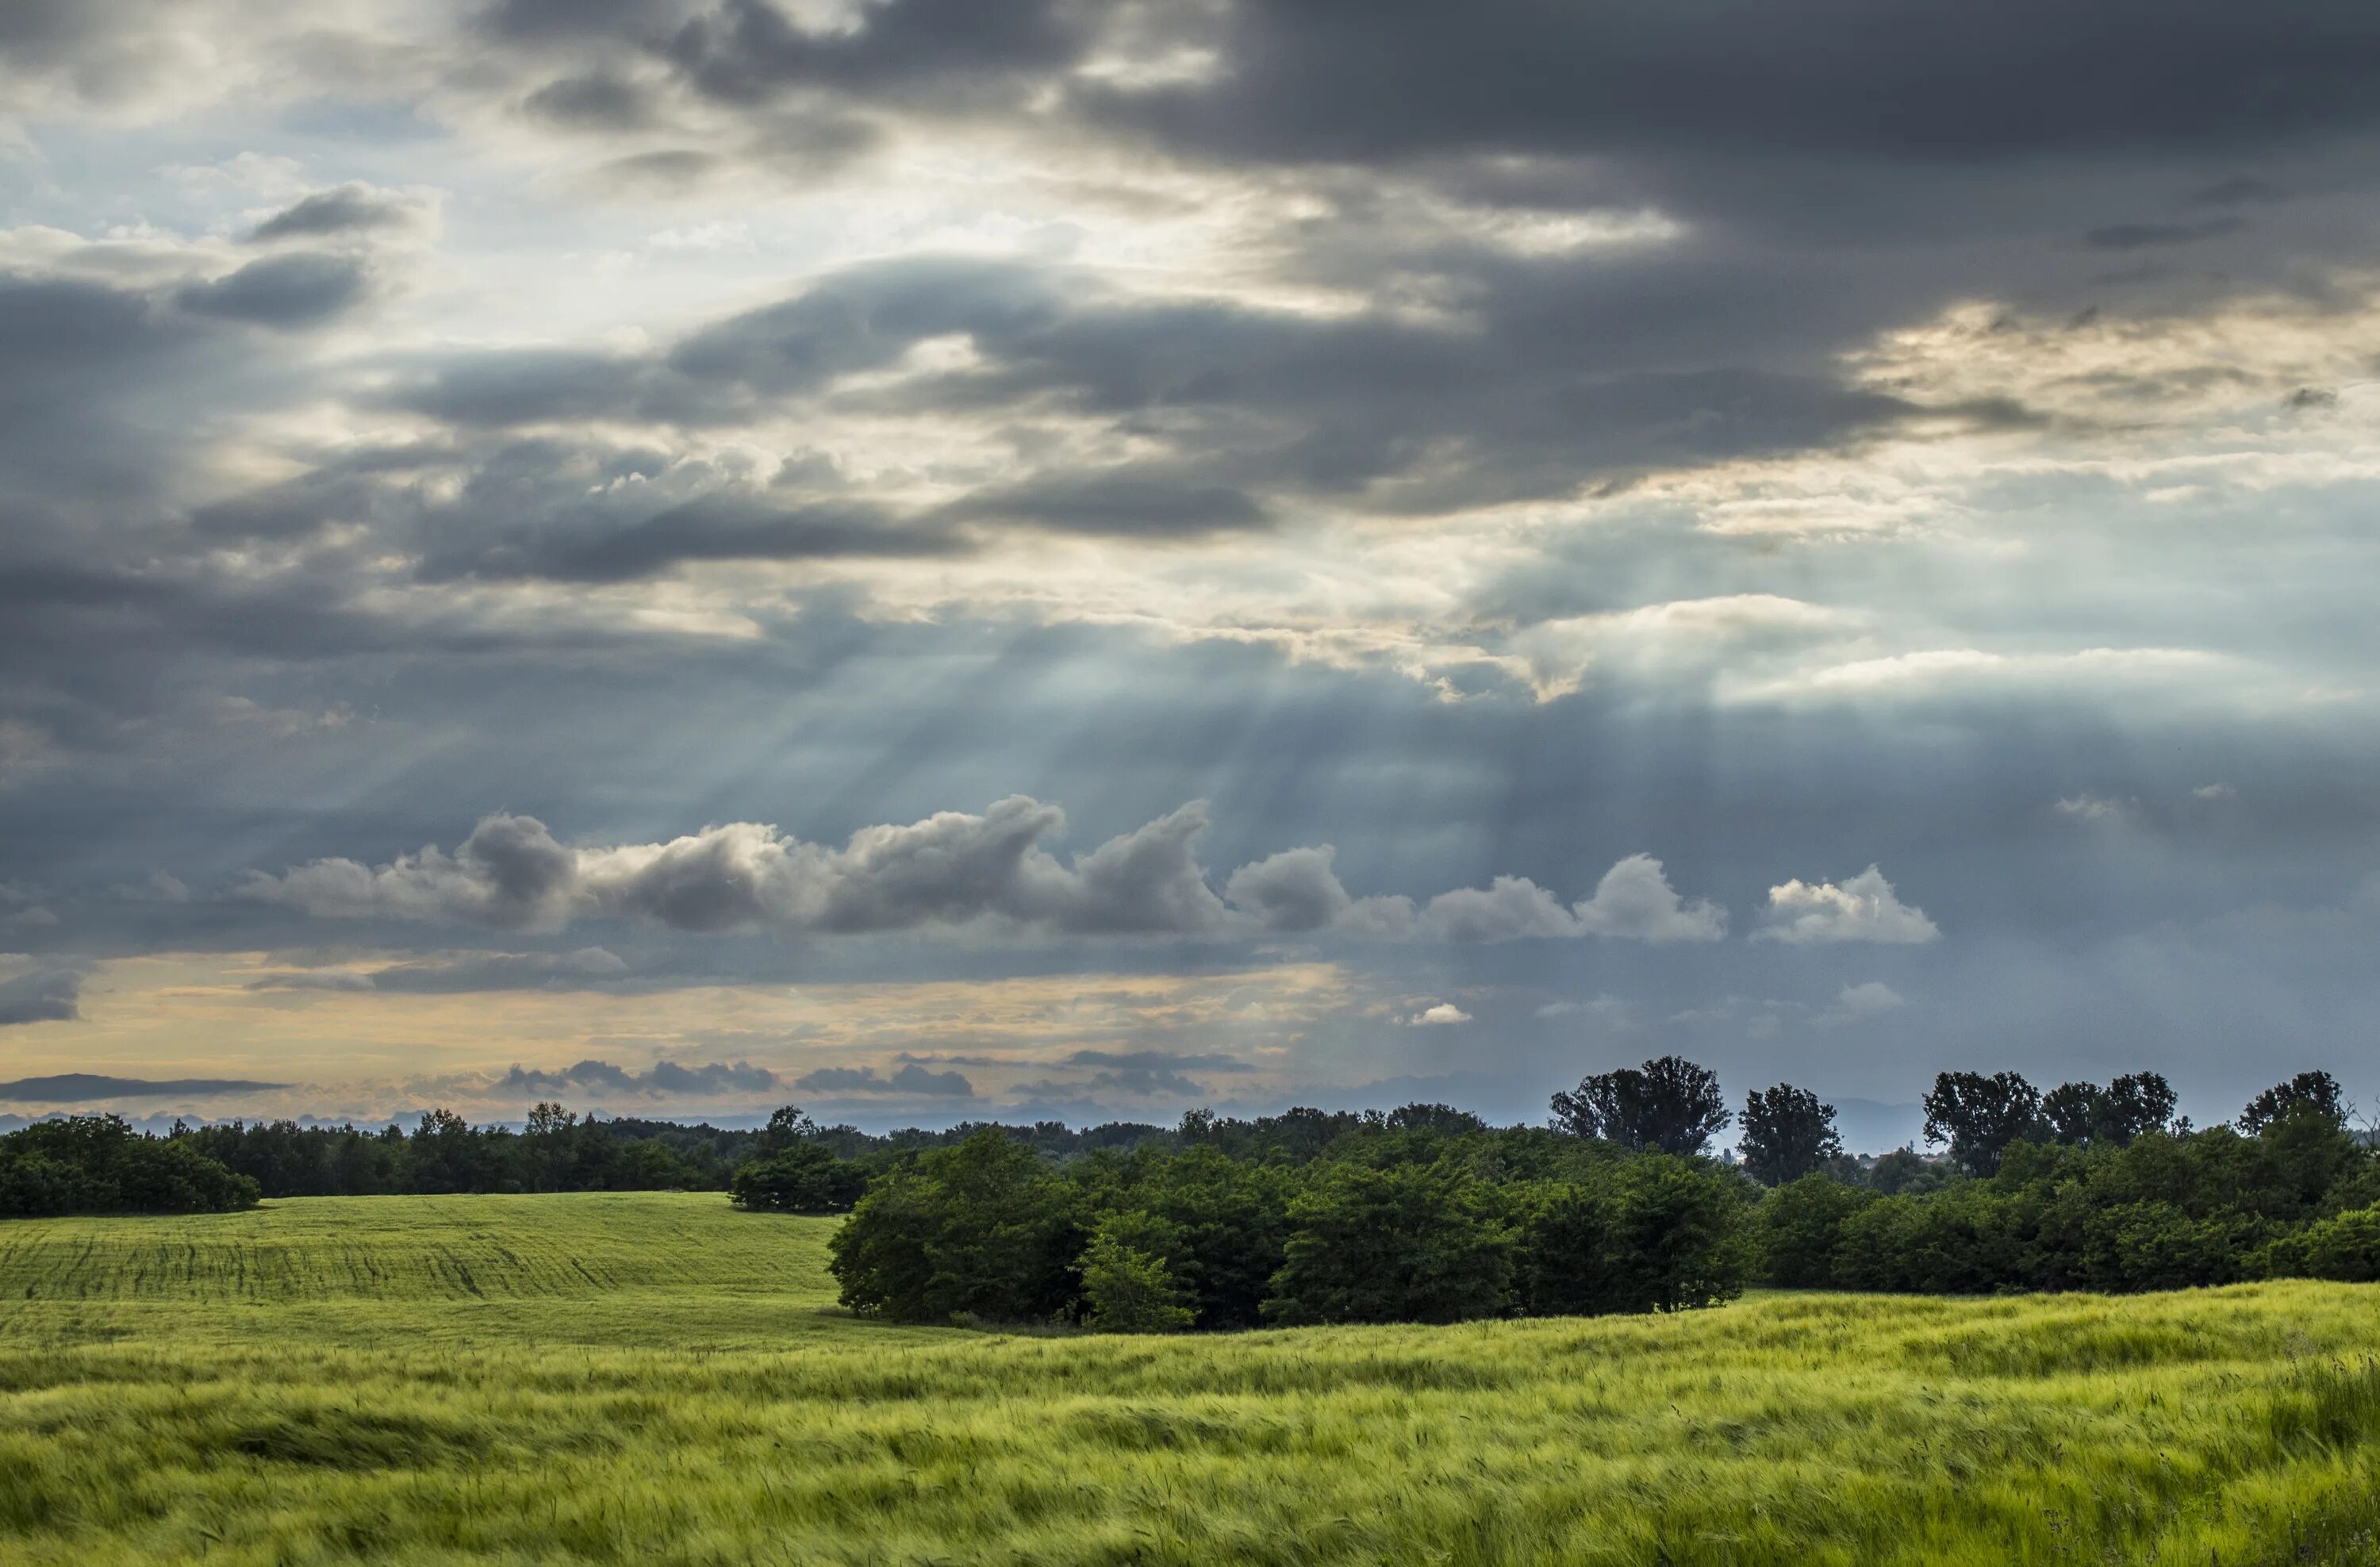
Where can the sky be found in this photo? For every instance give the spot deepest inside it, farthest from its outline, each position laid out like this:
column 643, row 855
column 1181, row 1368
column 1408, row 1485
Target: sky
column 961, row 559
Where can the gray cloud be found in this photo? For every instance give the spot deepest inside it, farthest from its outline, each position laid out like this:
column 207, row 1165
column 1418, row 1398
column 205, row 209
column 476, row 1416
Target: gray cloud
column 663, row 1078
column 595, row 101
column 912, row 1079
column 953, row 869
column 293, row 291
column 350, row 209
column 2145, row 235
column 41, row 994
column 1857, row 78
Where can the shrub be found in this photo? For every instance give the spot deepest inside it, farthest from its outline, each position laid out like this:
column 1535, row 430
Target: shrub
column 2346, row 1248
column 1127, row 1290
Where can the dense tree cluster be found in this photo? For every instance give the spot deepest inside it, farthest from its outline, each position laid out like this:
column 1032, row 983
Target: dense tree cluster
column 792, row 1165
column 98, row 1164
column 2092, row 1188
column 1426, row 1214
column 1422, row 1214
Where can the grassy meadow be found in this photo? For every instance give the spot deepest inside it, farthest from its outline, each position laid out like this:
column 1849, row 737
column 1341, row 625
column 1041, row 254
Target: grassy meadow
column 660, row 1378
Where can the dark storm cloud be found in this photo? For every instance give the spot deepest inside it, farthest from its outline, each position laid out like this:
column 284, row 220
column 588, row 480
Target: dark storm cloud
column 42, row 995
column 2147, row 235
column 586, row 544
column 1551, row 386
column 1307, row 80
column 282, row 291
column 1334, row 80
column 665, row 1077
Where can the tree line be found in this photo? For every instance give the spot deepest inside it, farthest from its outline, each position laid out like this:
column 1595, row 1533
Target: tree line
column 1423, row 1213
column 1426, row 1214
column 101, row 1164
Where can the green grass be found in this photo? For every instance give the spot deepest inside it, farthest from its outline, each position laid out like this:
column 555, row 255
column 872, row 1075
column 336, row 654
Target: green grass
column 656, row 1377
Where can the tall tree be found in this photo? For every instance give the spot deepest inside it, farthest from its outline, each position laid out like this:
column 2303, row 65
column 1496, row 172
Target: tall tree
column 1670, row 1105
column 1786, row 1134
column 2087, row 1114
column 2136, row 1104
column 2073, row 1111
column 788, row 1124
column 2315, row 1093
column 1980, row 1116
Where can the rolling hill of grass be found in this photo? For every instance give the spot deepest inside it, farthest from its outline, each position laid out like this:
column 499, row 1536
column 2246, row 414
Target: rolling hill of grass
column 659, row 1377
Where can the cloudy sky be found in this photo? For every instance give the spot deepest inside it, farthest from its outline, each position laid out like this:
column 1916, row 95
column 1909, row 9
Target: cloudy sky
column 943, row 558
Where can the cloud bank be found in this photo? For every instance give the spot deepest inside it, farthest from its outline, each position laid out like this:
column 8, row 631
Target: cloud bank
column 953, row 871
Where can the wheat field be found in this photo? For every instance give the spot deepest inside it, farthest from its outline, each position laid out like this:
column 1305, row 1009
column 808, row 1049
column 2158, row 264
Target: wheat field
column 656, row 1377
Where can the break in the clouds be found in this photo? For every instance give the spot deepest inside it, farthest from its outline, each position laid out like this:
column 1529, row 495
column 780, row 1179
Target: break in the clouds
column 1546, row 478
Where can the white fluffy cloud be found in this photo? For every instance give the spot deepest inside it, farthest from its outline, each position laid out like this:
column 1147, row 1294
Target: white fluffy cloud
column 953, row 869
column 1438, row 1015
column 1865, row 908
column 1633, row 901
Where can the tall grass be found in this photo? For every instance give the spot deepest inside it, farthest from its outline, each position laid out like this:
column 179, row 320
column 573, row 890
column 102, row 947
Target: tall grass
column 660, row 1379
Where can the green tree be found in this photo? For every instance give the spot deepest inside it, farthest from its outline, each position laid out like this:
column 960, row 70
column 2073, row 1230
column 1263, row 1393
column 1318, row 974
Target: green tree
column 1229, row 1229
column 788, row 1124
column 801, row 1178
column 1903, row 1170
column 1567, row 1232
column 1682, row 1242
column 1799, row 1227
column 981, row 1229
column 1408, row 1244
column 1127, row 1289
column 1787, row 1134
column 2087, row 1115
column 1980, row 1116
column 2308, row 1093
column 1669, row 1105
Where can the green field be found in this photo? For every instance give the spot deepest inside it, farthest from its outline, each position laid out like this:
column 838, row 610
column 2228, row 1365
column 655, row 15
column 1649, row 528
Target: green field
column 659, row 1377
